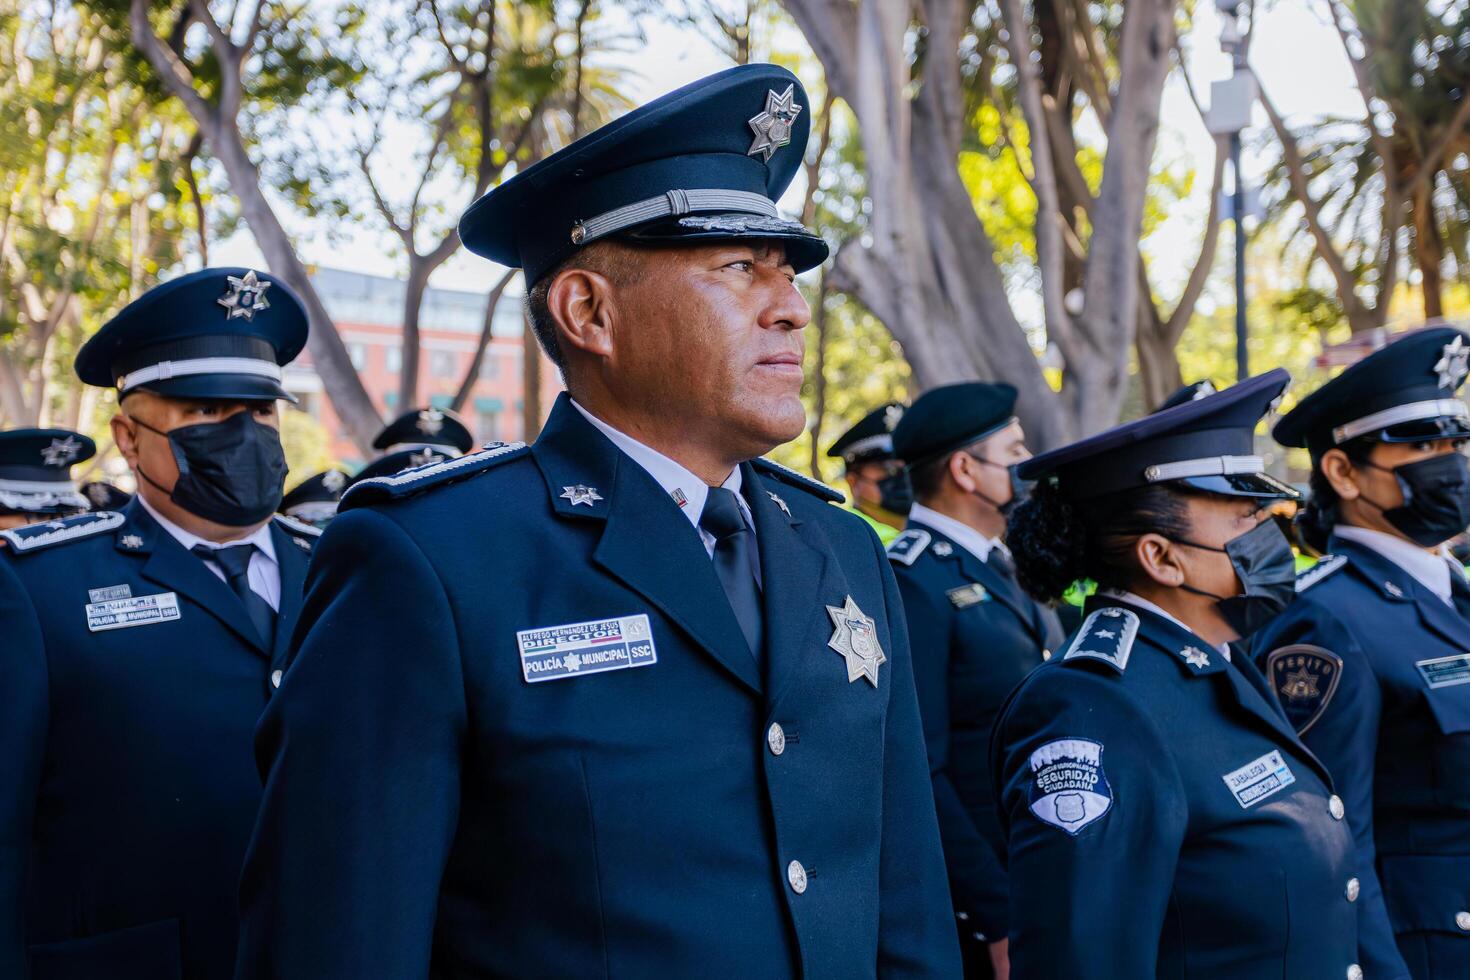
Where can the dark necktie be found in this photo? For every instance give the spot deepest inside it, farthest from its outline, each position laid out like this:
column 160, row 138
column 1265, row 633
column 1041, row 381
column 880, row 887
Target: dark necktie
column 735, row 562
column 235, row 562
column 1002, row 562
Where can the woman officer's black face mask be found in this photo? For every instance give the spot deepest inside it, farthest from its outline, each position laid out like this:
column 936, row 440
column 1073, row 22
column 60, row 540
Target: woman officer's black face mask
column 231, row 472
column 1436, row 494
column 1266, row 567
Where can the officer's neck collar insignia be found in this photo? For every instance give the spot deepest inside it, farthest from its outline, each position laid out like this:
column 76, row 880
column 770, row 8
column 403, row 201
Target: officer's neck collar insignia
column 245, row 296
column 581, row 494
column 1195, row 657
column 943, row 549
column 61, row 451
column 855, row 638
column 132, row 542
column 1107, row 635
column 779, row 503
column 772, row 126
column 1454, row 363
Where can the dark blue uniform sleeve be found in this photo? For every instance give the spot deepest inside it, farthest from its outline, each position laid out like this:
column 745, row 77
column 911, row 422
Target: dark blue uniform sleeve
column 1345, row 738
column 977, row 880
column 1089, row 892
column 360, row 750
column 24, row 710
column 916, row 935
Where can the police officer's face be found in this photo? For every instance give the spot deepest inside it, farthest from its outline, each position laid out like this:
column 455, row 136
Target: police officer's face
column 996, row 454
column 151, row 450
column 1377, row 482
column 864, row 479
column 1214, row 522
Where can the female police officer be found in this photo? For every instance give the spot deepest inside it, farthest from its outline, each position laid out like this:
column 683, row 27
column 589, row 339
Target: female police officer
column 1162, row 819
column 1370, row 663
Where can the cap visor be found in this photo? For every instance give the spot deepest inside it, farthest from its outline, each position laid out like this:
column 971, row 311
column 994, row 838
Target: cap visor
column 804, row 248
column 1426, row 430
column 1259, row 485
column 220, row 387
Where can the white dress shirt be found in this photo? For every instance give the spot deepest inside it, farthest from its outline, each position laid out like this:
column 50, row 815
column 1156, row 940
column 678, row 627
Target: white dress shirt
column 959, row 532
column 264, row 573
column 1431, row 568
column 686, row 489
column 1138, row 601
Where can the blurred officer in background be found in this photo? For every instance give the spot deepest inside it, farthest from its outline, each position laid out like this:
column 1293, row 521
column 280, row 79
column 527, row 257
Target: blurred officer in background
column 877, row 484
column 35, row 474
column 314, row 500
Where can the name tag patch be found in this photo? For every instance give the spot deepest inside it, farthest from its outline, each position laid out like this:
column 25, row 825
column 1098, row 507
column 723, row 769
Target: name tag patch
column 1256, row 780
column 968, row 595
column 1068, row 787
column 1445, row 671
column 110, row 592
column 586, row 648
column 116, row 614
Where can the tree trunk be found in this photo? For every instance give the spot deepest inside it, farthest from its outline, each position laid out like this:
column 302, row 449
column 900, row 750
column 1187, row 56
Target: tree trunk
column 1428, row 252
column 531, row 383
column 819, row 379
column 413, row 302
column 472, row 372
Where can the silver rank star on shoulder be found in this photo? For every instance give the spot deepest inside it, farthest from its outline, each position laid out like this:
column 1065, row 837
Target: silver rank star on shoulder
column 245, row 297
column 1454, row 364
column 581, row 494
column 772, row 125
column 855, row 637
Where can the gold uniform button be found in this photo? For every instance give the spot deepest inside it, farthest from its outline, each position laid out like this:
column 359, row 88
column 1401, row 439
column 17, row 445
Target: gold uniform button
column 1335, row 807
column 275, row 678
column 1353, row 887
column 796, row 875
column 776, row 738
column 1462, row 919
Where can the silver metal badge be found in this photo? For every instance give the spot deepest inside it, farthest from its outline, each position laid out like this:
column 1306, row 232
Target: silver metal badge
column 943, row 549
column 245, row 297
column 581, row 494
column 97, row 493
column 424, row 457
column 773, row 125
column 1393, row 590
column 333, row 481
column 1195, row 657
column 61, row 451
column 892, row 415
column 779, row 503
column 855, row 637
column 1454, row 364
column 130, row 541
column 431, row 421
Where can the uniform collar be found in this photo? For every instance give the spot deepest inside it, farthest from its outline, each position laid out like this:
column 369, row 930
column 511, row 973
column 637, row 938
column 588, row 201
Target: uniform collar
column 1430, row 568
column 1139, row 602
column 959, row 532
column 260, row 537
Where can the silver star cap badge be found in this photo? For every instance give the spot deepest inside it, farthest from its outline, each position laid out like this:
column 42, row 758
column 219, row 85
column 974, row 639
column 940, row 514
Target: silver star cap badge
column 855, row 637
column 61, row 451
column 245, row 296
column 431, row 421
column 892, row 415
column 581, row 494
column 773, row 125
column 333, row 481
column 1453, row 364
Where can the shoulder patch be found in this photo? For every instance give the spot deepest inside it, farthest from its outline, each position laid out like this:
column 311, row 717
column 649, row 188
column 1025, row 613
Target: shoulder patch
column 909, row 545
column 1324, row 567
column 795, row 479
column 1304, row 678
column 1068, row 787
column 1106, row 635
column 297, row 528
column 410, row 482
column 35, row 537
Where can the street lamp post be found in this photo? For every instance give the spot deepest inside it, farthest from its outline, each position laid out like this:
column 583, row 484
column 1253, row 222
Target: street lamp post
column 1230, row 109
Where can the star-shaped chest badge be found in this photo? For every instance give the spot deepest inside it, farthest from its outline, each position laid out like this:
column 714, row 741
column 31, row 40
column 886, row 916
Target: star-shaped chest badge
column 1453, row 364
column 61, row 451
column 581, row 494
column 855, row 637
column 131, row 541
column 772, row 126
column 1195, row 657
column 245, row 297
column 431, row 421
column 1300, row 685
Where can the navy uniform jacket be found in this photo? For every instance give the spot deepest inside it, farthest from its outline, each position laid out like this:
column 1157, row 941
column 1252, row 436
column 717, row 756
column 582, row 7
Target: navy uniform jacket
column 128, row 790
column 1395, row 732
column 974, row 635
column 451, row 793
column 1162, row 818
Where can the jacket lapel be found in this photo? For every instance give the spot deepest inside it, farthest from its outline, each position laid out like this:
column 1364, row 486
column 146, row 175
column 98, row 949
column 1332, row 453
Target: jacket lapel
column 647, row 542
column 167, row 563
column 1397, row 585
column 1004, row 591
column 292, row 561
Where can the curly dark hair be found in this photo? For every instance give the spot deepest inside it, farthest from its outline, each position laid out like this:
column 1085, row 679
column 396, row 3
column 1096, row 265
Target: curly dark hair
column 1057, row 541
column 1319, row 514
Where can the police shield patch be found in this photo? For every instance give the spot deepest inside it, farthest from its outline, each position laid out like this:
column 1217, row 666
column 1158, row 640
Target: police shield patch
column 1304, row 678
column 1068, row 787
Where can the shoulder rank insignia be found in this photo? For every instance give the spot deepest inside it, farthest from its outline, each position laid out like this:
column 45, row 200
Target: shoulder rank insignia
column 1106, row 635
column 795, row 479
column 1324, row 567
column 1304, row 678
column 34, row 537
column 909, row 545
column 293, row 526
column 381, row 488
column 967, row 595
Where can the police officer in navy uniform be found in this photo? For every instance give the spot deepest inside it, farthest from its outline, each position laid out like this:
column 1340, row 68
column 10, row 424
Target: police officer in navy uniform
column 314, row 500
column 877, row 482
column 35, row 474
column 1370, row 662
column 631, row 701
column 1162, row 817
column 141, row 647
column 973, row 631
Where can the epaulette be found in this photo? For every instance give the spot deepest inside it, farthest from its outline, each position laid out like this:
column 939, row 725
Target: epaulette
column 795, row 479
column 413, row 481
column 1325, row 567
column 1106, row 635
column 909, row 545
column 35, row 537
column 303, row 534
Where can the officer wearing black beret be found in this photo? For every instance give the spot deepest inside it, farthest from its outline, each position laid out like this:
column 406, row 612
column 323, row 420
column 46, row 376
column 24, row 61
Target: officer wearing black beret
column 631, row 701
column 425, row 427
column 1162, row 817
column 1370, row 662
column 35, row 474
column 141, row 647
column 876, row 480
column 314, row 500
column 973, row 631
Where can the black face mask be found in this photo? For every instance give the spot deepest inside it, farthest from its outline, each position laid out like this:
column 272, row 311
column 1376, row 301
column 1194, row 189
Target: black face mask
column 230, row 472
column 1266, row 567
column 1436, row 499
column 896, row 493
column 1020, row 489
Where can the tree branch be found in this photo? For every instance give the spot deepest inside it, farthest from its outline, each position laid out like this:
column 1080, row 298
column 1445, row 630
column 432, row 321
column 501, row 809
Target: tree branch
column 1194, row 286
column 1429, row 166
column 170, row 67
column 472, row 371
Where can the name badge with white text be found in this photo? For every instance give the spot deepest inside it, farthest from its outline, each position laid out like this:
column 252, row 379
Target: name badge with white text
column 116, row 614
column 593, row 647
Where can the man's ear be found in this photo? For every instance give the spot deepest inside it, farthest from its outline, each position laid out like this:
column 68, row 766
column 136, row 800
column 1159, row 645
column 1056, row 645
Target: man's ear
column 582, row 304
column 958, row 466
column 125, row 435
column 1338, row 470
column 1159, row 560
